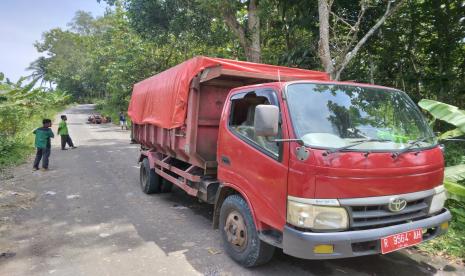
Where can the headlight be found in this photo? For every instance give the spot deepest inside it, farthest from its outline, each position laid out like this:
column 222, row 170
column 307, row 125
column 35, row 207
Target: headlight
column 439, row 198
column 302, row 214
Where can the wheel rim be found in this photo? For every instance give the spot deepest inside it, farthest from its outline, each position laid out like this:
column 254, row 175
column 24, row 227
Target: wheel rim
column 236, row 231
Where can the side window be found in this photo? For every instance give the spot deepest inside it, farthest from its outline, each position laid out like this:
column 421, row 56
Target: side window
column 242, row 120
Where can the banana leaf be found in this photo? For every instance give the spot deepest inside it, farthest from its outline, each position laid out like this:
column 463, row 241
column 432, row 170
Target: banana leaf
column 455, row 173
column 451, row 134
column 455, row 191
column 445, row 112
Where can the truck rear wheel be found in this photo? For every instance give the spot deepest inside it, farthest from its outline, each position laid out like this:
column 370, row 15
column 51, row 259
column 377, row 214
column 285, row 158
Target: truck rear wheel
column 150, row 181
column 239, row 234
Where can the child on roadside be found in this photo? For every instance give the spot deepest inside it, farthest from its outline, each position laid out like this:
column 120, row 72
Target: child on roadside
column 64, row 133
column 42, row 143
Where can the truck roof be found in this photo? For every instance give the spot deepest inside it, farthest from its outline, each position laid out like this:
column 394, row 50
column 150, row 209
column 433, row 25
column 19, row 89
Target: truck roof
column 162, row 99
column 281, row 84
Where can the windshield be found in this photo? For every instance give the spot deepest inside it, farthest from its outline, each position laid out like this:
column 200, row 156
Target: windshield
column 335, row 116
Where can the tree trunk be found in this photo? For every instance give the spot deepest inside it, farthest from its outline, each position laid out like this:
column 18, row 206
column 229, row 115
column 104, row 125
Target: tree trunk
column 372, row 71
column 335, row 68
column 253, row 29
column 323, row 44
column 248, row 36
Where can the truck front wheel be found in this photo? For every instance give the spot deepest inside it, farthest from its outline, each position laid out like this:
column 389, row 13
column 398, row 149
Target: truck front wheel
column 166, row 186
column 150, row 181
column 239, row 234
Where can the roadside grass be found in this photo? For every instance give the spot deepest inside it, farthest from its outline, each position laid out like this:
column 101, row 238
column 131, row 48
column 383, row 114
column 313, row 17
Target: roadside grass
column 14, row 150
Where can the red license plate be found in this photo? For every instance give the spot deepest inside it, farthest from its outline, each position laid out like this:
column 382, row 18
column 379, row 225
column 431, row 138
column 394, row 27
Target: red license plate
column 397, row 241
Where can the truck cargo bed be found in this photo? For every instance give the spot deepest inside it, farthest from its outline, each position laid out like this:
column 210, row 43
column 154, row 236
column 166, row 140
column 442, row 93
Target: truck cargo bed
column 195, row 140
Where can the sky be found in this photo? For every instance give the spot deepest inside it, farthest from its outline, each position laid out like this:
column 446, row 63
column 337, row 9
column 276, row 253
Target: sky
column 22, row 22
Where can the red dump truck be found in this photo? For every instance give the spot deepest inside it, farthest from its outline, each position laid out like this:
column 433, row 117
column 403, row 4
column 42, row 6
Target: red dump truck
column 291, row 159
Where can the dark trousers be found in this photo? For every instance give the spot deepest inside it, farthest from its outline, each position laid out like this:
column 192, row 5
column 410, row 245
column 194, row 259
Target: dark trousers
column 43, row 154
column 66, row 139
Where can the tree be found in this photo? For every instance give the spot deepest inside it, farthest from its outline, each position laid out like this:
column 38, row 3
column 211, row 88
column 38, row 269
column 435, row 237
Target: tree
column 159, row 18
column 248, row 33
column 335, row 52
column 419, row 49
column 82, row 23
column 39, row 70
column 67, row 58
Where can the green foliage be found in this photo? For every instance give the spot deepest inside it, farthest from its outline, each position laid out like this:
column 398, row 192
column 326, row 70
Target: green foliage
column 456, row 173
column 454, row 153
column 22, row 108
column 451, row 243
column 102, row 58
column 454, row 181
column 39, row 68
column 419, row 50
column 455, row 190
column 447, row 113
column 455, row 117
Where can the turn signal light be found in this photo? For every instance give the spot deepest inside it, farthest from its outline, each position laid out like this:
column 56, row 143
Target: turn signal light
column 323, row 249
column 445, row 225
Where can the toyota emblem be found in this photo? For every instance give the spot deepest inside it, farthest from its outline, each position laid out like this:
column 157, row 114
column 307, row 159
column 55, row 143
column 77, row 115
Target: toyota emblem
column 397, row 204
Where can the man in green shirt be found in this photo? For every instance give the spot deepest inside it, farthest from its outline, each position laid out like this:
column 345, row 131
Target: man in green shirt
column 42, row 143
column 63, row 132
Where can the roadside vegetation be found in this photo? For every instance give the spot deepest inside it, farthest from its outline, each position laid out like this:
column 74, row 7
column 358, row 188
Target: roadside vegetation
column 415, row 46
column 452, row 123
column 22, row 108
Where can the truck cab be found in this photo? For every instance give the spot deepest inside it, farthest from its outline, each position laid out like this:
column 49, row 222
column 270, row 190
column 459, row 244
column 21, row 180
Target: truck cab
column 329, row 169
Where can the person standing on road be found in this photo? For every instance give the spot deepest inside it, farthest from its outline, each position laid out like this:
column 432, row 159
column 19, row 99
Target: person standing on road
column 122, row 121
column 42, row 143
column 64, row 133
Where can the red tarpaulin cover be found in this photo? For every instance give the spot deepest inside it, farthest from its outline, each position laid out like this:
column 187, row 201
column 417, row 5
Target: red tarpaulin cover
column 161, row 100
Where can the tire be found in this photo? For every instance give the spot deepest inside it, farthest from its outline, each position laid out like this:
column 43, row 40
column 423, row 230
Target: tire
column 150, row 181
column 166, row 186
column 244, row 247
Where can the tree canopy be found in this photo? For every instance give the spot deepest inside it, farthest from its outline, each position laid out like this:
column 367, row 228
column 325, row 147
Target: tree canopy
column 416, row 46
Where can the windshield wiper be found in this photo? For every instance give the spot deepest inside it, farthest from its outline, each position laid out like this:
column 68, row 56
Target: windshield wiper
column 411, row 145
column 356, row 143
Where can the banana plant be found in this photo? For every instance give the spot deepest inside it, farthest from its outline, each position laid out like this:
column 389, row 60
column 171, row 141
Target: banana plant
column 447, row 113
column 454, row 175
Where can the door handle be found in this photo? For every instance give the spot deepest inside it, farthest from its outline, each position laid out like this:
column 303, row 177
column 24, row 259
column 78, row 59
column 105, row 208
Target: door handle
column 225, row 160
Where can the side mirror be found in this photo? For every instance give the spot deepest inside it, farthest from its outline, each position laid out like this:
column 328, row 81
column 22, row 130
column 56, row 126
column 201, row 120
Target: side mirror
column 266, row 120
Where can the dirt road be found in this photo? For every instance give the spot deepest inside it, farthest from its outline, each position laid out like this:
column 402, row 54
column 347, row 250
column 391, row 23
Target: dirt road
column 87, row 216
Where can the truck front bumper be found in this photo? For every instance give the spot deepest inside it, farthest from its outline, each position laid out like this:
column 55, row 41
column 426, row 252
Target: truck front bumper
column 355, row 243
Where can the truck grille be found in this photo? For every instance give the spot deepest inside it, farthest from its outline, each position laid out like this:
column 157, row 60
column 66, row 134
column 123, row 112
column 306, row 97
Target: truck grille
column 378, row 215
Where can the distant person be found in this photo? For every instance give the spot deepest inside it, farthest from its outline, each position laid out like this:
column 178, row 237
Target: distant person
column 42, row 143
column 122, row 121
column 64, row 133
